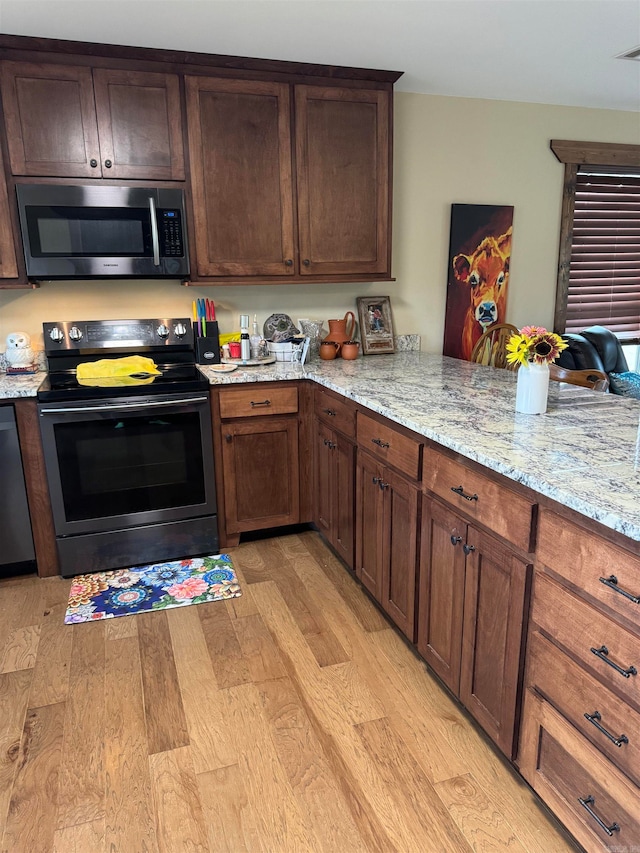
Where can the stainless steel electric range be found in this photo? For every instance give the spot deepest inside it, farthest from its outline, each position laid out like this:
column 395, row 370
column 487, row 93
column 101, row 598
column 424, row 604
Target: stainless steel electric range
column 129, row 460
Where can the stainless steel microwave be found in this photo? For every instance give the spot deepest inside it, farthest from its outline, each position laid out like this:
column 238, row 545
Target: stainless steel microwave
column 103, row 231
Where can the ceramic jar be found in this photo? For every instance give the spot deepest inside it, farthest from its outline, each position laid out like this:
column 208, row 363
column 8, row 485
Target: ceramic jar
column 350, row 350
column 329, row 350
column 532, row 388
column 342, row 330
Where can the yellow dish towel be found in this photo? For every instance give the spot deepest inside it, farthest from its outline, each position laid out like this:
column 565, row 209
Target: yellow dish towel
column 110, row 368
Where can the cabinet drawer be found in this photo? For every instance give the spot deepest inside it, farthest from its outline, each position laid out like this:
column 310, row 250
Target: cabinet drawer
column 503, row 511
column 259, row 399
column 336, row 413
column 575, row 694
column 389, row 445
column 587, row 560
column 572, row 777
column 583, row 631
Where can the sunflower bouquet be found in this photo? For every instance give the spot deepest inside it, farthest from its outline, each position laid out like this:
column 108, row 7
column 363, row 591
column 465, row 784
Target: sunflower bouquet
column 534, row 344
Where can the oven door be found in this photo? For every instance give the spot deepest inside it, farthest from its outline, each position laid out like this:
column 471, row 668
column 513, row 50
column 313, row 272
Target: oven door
column 126, row 462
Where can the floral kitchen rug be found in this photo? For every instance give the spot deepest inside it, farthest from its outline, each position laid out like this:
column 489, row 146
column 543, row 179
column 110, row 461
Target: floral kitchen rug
column 104, row 595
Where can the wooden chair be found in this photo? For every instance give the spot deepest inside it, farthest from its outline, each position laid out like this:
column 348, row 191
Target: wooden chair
column 491, row 347
column 594, row 379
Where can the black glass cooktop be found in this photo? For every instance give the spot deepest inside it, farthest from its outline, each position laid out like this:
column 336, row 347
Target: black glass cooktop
column 63, row 385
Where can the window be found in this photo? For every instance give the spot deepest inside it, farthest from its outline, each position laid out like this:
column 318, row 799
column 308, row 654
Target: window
column 599, row 263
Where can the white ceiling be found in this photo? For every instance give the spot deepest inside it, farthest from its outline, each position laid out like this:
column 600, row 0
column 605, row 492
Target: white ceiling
column 541, row 51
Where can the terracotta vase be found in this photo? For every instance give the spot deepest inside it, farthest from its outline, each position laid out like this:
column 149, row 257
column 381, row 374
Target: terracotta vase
column 342, row 330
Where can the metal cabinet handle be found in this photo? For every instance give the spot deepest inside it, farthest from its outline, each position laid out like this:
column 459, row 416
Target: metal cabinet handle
column 612, row 583
column 602, row 653
column 108, row 164
column 586, row 803
column 459, row 490
column 93, row 163
column 455, row 540
column 595, row 718
column 468, row 548
column 330, row 444
column 383, row 485
column 329, row 412
column 306, row 262
column 380, row 442
column 228, row 438
column 260, row 403
column 288, row 262
column 375, row 480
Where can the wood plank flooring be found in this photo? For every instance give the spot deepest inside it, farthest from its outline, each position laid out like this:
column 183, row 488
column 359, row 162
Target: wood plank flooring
column 292, row 719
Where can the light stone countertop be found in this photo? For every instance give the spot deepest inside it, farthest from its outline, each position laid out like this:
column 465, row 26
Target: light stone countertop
column 583, row 453
column 20, row 386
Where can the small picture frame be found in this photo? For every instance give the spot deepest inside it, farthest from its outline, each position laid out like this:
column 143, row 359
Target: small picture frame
column 376, row 324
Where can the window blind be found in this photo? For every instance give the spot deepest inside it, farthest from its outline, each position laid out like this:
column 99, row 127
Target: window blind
column 604, row 274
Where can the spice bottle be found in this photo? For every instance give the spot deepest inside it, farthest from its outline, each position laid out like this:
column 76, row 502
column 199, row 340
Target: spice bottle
column 245, row 345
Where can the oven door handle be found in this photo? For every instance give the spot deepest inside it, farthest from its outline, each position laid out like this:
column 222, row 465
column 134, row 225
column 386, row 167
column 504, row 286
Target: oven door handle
column 154, row 232
column 123, row 406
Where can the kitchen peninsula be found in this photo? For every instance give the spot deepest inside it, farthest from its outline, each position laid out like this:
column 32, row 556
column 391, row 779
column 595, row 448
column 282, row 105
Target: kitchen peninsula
column 583, row 453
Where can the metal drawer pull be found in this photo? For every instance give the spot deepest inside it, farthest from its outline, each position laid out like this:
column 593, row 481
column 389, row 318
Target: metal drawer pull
column 261, row 403
column 382, row 484
column 595, row 718
column 468, row 548
column 455, row 539
column 586, row 803
column 612, row 583
column 330, row 444
column 329, row 412
column 380, row 442
column 376, row 480
column 459, row 490
column 602, row 653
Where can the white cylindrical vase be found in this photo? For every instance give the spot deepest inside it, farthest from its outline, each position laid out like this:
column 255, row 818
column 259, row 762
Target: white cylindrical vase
column 532, row 389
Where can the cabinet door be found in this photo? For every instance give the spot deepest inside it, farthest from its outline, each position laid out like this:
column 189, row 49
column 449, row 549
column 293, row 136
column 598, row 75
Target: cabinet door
column 261, row 473
column 442, row 573
column 8, row 262
column 492, row 635
column 50, row 120
column 343, row 172
column 325, row 488
column 399, row 551
column 344, row 511
column 139, row 124
column 369, row 521
column 241, row 176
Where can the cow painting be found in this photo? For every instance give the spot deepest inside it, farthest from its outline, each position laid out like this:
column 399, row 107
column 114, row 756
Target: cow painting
column 478, row 277
column 486, row 272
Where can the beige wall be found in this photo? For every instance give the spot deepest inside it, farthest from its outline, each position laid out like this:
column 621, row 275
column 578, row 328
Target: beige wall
column 447, row 150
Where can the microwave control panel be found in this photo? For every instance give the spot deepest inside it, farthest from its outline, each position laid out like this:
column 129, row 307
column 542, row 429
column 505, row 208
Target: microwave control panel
column 171, row 245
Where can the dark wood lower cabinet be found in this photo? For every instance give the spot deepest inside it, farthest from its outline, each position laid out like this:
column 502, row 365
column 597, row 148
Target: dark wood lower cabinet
column 386, row 536
column 261, row 473
column 334, row 490
column 471, row 618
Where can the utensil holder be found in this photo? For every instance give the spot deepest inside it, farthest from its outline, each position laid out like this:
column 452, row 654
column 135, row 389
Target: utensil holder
column 208, row 349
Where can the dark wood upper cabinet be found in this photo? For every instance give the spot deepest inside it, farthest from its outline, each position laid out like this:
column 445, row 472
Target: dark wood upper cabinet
column 75, row 122
column 241, row 176
column 254, row 214
column 342, row 154
column 139, row 124
column 8, row 262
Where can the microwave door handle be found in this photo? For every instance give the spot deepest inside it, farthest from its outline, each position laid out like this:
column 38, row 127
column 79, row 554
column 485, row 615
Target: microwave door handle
column 154, row 232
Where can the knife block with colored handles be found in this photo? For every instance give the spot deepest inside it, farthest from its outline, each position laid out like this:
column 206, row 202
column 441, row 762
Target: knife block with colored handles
column 208, row 349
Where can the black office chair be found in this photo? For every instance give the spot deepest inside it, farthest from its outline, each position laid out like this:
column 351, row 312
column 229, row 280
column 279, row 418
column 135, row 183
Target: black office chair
column 595, row 348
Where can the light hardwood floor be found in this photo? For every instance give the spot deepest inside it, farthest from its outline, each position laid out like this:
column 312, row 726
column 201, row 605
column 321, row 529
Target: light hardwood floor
column 291, row 719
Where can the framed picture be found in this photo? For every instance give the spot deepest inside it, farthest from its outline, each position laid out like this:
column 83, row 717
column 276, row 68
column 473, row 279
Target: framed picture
column 376, row 324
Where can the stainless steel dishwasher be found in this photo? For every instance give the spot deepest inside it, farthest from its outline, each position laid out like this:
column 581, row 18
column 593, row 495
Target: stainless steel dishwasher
column 16, row 553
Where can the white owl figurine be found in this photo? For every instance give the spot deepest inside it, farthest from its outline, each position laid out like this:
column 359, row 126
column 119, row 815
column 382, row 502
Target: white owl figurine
column 19, row 352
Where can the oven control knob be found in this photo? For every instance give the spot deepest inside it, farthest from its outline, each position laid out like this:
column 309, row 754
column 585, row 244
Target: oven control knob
column 56, row 335
column 75, row 333
column 180, row 330
column 162, row 331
